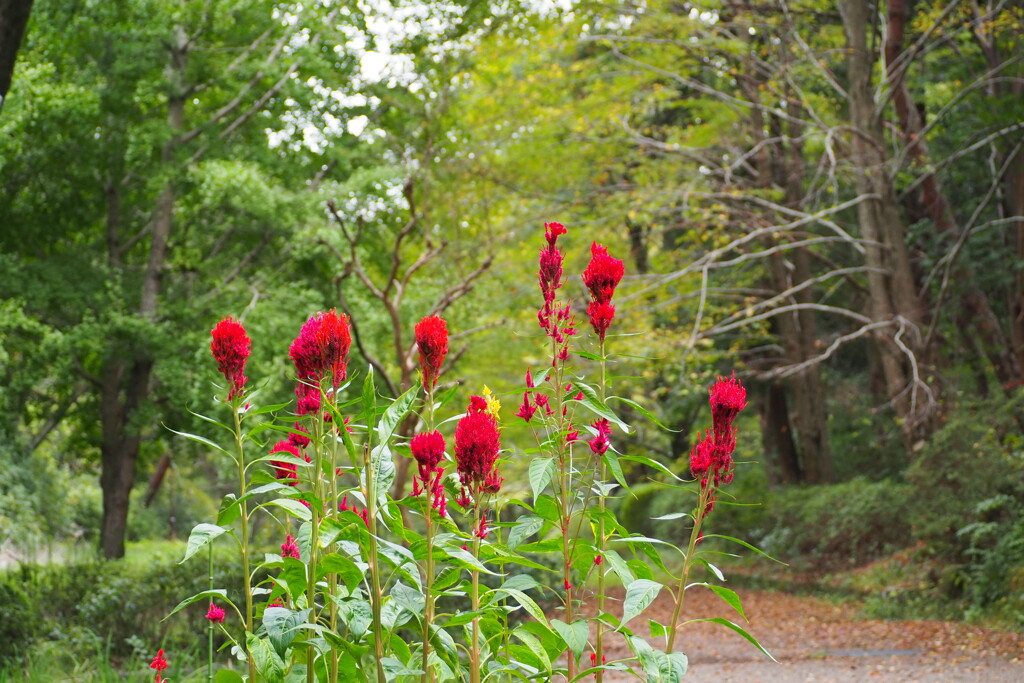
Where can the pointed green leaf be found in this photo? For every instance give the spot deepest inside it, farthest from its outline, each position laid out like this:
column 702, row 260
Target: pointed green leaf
column 542, row 469
column 735, row 627
column 639, row 595
column 200, row 536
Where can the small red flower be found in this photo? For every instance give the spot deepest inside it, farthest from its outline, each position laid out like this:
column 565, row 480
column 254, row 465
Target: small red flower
column 158, row 663
column 215, row 614
column 231, row 346
column 432, row 342
column 567, row 585
column 526, row 410
column 289, row 548
column 428, row 450
column 286, row 469
column 598, row 559
column 728, row 398
column 600, row 443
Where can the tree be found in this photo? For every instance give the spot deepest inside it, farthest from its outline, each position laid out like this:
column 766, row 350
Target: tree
column 14, row 16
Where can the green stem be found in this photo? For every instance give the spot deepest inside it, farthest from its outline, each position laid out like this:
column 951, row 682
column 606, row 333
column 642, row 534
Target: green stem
column 376, row 598
column 244, row 507
column 316, row 511
column 209, row 659
column 332, row 511
column 698, row 519
column 474, row 649
column 428, row 578
column 601, row 540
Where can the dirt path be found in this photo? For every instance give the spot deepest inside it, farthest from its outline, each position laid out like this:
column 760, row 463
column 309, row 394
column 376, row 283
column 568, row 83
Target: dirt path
column 814, row 640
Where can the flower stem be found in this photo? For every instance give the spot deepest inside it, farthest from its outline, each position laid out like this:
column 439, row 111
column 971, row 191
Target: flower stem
column 428, row 578
column 244, row 515
column 698, row 520
column 370, row 493
column 601, row 540
column 209, row 659
column 474, row 647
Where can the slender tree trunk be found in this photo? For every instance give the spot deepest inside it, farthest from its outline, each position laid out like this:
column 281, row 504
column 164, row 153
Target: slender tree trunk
column 777, row 435
column 978, row 314
column 126, row 375
column 891, row 283
column 14, row 16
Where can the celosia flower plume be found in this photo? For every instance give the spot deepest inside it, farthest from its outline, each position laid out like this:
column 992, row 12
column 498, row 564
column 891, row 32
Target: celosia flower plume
column 601, row 277
column 477, row 444
column 290, row 548
column 711, row 459
column 231, row 347
column 428, row 450
column 160, row 664
column 286, row 469
column 432, row 343
column 320, row 351
column 215, row 614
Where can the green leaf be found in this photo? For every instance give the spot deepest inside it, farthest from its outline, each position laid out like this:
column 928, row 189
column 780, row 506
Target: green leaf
column 575, row 635
column 643, row 411
column 369, row 413
column 395, row 413
column 639, row 595
column 619, row 566
column 596, row 406
column 671, row 515
column 269, row 665
column 612, row 459
column 727, row 595
column 200, row 536
column 203, row 440
column 735, row 627
column 542, row 469
column 216, row 593
column 409, row 598
column 294, row 507
column 535, row 647
column 346, row 569
column 654, row 464
column 229, row 510
column 525, row 526
column 227, row 676
column 658, row 629
column 524, row 600
column 746, row 545
column 282, row 625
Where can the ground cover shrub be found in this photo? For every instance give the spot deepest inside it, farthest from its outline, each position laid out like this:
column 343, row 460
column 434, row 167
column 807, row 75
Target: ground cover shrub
column 839, row 525
column 436, row 585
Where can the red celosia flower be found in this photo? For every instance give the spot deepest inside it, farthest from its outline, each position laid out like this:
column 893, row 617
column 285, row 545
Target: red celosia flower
column 428, row 450
column 529, row 380
column 492, row 484
column 477, row 404
column 289, row 548
column 601, row 316
column 600, row 443
column 230, row 347
column 601, row 277
column 432, row 342
column 550, row 273
column 598, row 559
column 215, row 614
column 526, row 410
column 286, row 469
column 567, row 584
column 728, row 398
column 158, row 663
column 320, row 351
column 702, row 456
column 603, row 274
column 477, row 443
column 364, row 515
column 299, row 440
column 481, row 530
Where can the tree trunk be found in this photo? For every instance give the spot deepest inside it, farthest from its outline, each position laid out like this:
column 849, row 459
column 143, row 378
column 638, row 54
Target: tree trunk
column 125, row 381
column 777, row 436
column 979, row 315
column 14, row 16
column 125, row 384
column 891, row 284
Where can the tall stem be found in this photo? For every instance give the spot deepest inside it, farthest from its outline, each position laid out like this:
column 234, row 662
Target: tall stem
column 428, row 578
column 599, row 645
column 698, row 520
column 209, row 653
column 332, row 510
column 244, row 508
column 474, row 647
column 316, row 511
column 370, row 493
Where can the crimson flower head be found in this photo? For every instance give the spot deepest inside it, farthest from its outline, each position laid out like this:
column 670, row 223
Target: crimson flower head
column 231, row 346
column 288, row 468
column 702, row 457
column 320, row 350
column 477, row 443
column 432, row 342
column 600, row 443
column 158, row 663
column 550, row 274
column 728, row 398
column 601, row 277
column 290, row 548
column 477, row 404
column 215, row 614
column 603, row 274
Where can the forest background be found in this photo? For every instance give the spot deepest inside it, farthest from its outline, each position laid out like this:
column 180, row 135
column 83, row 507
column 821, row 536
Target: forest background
column 826, row 196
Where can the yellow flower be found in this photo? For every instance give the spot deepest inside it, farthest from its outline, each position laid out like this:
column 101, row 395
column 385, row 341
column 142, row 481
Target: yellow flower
column 493, row 404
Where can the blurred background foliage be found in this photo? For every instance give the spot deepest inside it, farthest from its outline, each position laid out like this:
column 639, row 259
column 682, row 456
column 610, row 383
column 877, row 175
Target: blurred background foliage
column 165, row 164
